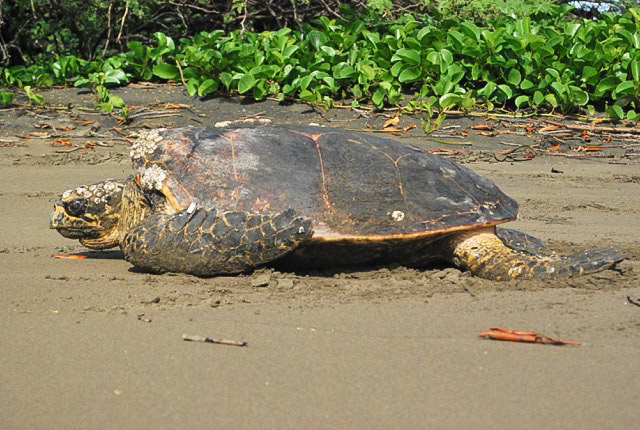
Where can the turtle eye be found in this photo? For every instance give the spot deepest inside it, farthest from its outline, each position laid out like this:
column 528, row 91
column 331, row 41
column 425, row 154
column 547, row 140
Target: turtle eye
column 75, row 207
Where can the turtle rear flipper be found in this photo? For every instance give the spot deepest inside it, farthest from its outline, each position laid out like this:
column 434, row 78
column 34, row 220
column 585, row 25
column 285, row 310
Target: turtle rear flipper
column 207, row 242
column 484, row 254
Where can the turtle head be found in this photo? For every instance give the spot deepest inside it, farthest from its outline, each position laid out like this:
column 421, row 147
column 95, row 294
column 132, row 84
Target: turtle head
column 90, row 213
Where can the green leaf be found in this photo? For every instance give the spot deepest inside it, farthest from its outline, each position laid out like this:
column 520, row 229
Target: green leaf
column 410, row 56
column 226, row 78
column 615, row 112
column 626, row 35
column 571, row 28
column 329, row 51
column 246, row 83
column 538, row 97
column 308, row 96
column 288, row 89
column 378, row 98
column 82, row 82
column 475, row 71
column 552, row 72
column 447, row 56
column 304, row 82
column 433, row 57
column 468, row 103
column 625, row 87
column 164, row 41
column 192, row 86
column 526, row 84
column 635, row 70
column 343, row 71
column 552, row 100
column 449, row 100
column 317, row 39
column 107, row 107
column 289, row 51
column 260, row 89
column 397, row 68
column 455, row 40
column 166, row 71
column 488, row 90
column 588, row 72
column 367, row 71
column 506, row 89
column 331, row 83
column 520, row 100
column 579, row 96
column 470, row 30
column 115, row 76
column 514, row 77
column 116, row 101
column 34, row 98
column 409, row 74
column 207, row 87
column 357, row 92
column 558, row 88
column 606, row 85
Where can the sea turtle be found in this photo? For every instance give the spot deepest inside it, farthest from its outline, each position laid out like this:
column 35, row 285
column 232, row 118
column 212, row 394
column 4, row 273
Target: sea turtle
column 210, row 201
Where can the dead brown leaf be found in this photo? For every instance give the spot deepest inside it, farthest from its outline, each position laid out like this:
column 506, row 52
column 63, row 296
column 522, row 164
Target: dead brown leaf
column 61, row 142
column 391, row 122
column 548, row 128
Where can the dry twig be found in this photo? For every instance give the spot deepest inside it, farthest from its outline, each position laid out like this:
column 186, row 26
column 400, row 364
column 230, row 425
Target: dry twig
column 190, row 338
column 593, row 128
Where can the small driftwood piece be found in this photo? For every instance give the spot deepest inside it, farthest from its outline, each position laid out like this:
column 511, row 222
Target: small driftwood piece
column 190, row 338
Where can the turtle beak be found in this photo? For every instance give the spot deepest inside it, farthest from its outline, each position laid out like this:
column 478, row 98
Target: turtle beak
column 57, row 216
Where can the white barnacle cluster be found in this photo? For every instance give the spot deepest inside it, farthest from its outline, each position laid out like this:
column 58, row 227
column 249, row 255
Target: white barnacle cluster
column 397, row 216
column 146, row 143
column 153, row 178
column 98, row 193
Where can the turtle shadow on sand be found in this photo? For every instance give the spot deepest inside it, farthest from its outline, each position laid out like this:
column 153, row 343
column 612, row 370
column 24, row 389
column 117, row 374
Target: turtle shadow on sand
column 110, row 254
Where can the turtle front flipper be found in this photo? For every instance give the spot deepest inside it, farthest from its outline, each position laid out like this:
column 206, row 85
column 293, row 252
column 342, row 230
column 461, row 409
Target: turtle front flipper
column 209, row 242
column 484, row 254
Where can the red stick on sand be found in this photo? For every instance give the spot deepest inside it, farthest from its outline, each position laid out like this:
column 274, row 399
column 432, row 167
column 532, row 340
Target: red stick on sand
column 522, row 336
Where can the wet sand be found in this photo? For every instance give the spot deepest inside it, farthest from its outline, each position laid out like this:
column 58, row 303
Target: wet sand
column 93, row 344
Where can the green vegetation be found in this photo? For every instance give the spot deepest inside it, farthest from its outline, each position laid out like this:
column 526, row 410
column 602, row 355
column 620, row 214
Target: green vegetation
column 544, row 61
column 33, row 30
column 6, row 98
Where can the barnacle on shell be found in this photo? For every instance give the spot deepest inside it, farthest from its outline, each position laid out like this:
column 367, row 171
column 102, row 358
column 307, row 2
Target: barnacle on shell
column 146, row 143
column 153, row 177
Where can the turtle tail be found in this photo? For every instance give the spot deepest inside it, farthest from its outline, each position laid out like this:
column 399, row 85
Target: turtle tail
column 485, row 255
